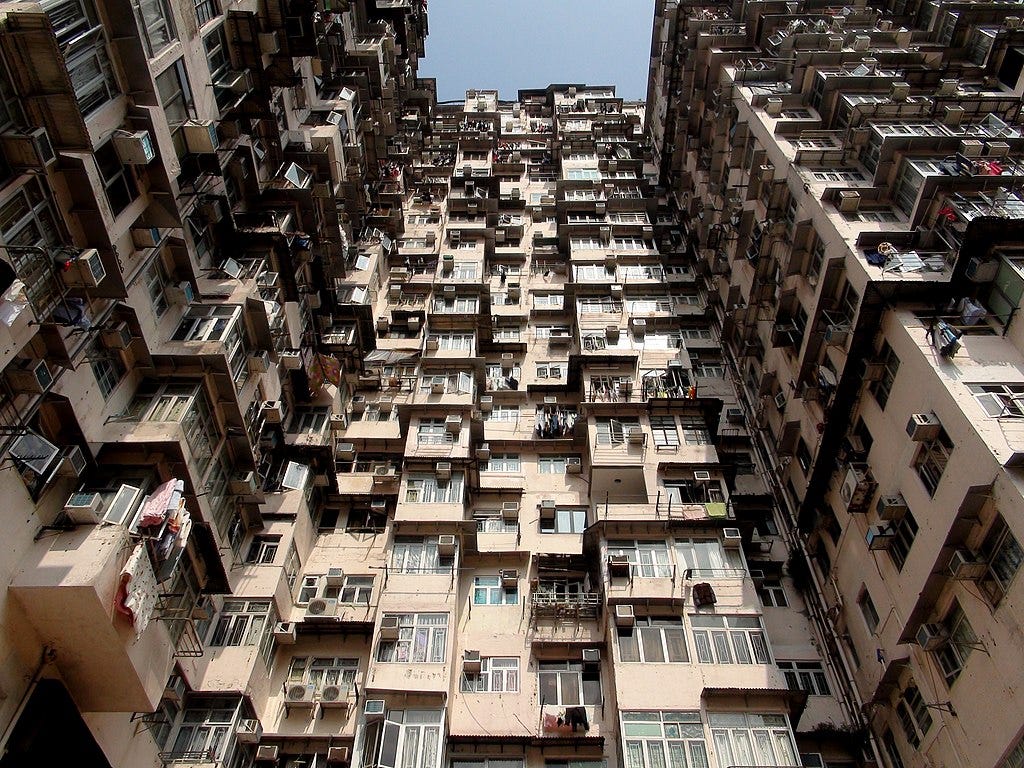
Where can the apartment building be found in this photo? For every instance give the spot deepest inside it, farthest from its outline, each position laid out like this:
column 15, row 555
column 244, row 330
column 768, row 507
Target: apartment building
column 849, row 180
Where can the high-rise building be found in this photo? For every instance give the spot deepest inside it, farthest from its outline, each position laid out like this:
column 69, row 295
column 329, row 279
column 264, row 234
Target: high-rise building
column 850, row 180
column 344, row 427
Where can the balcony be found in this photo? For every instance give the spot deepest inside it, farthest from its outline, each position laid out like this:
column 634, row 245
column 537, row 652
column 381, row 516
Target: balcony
column 569, row 606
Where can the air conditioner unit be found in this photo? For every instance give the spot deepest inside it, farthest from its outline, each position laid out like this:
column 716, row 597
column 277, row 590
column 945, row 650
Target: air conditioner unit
column 259, row 361
column 616, row 290
column 134, row 147
column 334, row 696
column 244, row 485
column 74, row 463
column 780, row 399
column 180, row 294
column 270, row 42
column 837, row 333
column 891, row 507
column 267, row 753
column 624, row 616
column 971, row 148
column 734, row 415
column 117, row 336
column 201, row 136
column 271, row 411
column 373, row 709
column 338, row 756
column 573, row 465
column 83, row 508
column 486, row 403
column 453, row 423
column 446, row 545
column 443, row 470
column 509, row 578
column 291, row 361
column 335, row 577
column 923, row 426
column 248, row 731
column 345, row 451
column 964, row 566
column 31, row 149
column 547, row 509
column 299, row 694
column 31, row 377
column 731, row 538
column 618, row 566
column 322, row 608
column 389, row 628
column 471, row 662
column 773, row 107
column 701, row 475
column 931, row 637
column 145, row 237
column 86, row 271
column 849, row 201
column 879, row 537
column 592, row 656
column 635, row 436
column 857, row 487
column 483, row 453
column 638, row 325
column 285, row 633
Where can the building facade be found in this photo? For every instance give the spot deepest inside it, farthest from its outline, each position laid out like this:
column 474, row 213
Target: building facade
column 344, row 427
column 849, row 178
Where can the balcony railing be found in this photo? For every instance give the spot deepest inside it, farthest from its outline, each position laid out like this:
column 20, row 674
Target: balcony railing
column 575, row 605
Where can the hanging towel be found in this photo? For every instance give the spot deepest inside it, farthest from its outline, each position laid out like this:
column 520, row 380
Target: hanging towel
column 137, row 590
column 716, row 509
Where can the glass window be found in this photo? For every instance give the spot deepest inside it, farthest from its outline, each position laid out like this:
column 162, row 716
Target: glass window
column 118, row 180
column 205, row 732
column 429, row 489
column 806, row 676
column 654, row 639
column 566, row 520
column 263, row 550
column 321, row 671
column 954, row 653
column 772, row 593
column 497, row 675
column 729, row 640
column 567, row 683
column 614, row 431
column 660, row 739
column 206, row 10
column 501, row 462
column 422, row 639
column 108, row 368
column 881, row 388
column 931, row 460
column 216, row 45
column 409, row 738
column 647, row 559
column 1004, row 556
column 488, row 590
column 242, row 622
column 1000, row 400
column 157, row 24
column 411, row 554
column 706, row 558
column 904, row 530
column 868, row 610
column 913, row 715
column 176, row 99
column 752, row 739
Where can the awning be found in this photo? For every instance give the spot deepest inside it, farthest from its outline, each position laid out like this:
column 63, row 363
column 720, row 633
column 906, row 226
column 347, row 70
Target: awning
column 389, row 356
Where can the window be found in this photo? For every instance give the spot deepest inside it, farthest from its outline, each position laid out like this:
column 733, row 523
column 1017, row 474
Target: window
column 216, row 45
column 893, row 752
column 694, row 492
column 409, row 738
column 905, row 529
column 491, row 521
column 501, row 462
column 207, row 10
column 422, row 639
column 176, row 99
column 497, row 675
column 695, row 431
column 659, row 739
column 551, row 370
column 155, row 17
column 654, row 639
column 772, row 594
column 108, row 368
column 504, row 413
column 613, row 431
column 567, row 683
column 242, row 622
column 1013, row 760
column 647, row 559
column 566, row 520
column 913, row 715
column 552, row 465
column 263, row 550
column 931, row 460
column 663, row 430
column 487, row 590
column 953, row 655
column 186, row 404
column 1000, row 400
column 157, row 280
column 547, row 300
column 868, row 610
column 805, row 676
column 410, row 554
column 707, row 558
column 752, row 739
column 206, row 732
column 321, row 671
column 453, row 383
column 118, row 180
column 1004, row 556
column 729, row 640
column 429, row 489
column 433, row 432
column 881, row 388
column 81, row 40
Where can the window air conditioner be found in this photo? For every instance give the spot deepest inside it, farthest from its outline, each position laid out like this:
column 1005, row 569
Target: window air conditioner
column 573, row 465
column 879, row 537
column 322, row 608
column 345, row 451
column 83, row 508
column 31, row 149
column 291, row 361
column 373, row 709
column 892, row 507
column 547, row 509
column 29, row 376
column 432, row 343
column 244, row 485
column 117, row 336
column 145, row 237
column 86, row 271
column 483, row 453
column 74, row 462
column 635, row 436
column 931, row 637
column 271, row 411
column 446, row 545
column 201, row 136
column 267, row 753
column 437, row 387
column 453, row 423
column 299, row 694
column 731, row 538
column 964, row 566
column 486, row 403
column 471, row 662
column 443, row 470
column 618, row 566
column 509, row 578
column 248, row 731
column 338, row 756
column 269, row 42
column 285, row 633
column 592, row 656
column 335, row 577
column 259, row 361
column 624, row 616
column 923, row 426
column 389, row 628
column 134, row 147
column 510, row 511
column 701, row 475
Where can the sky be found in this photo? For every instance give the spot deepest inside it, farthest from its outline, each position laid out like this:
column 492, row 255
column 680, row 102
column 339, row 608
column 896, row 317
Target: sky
column 516, row 44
